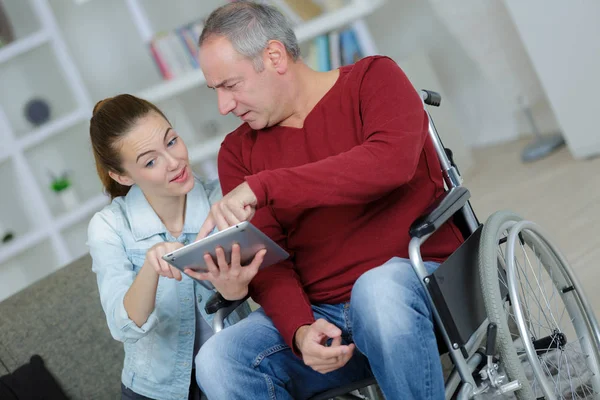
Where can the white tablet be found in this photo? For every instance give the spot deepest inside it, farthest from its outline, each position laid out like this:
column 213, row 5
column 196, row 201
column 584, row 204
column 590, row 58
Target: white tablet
column 249, row 237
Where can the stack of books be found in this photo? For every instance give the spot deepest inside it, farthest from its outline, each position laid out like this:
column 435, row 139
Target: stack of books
column 175, row 53
column 335, row 49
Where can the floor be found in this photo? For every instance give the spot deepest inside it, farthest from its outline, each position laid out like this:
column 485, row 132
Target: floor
column 559, row 193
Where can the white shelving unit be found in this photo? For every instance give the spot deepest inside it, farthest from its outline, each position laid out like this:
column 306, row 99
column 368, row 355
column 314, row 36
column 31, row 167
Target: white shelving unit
column 37, row 64
column 66, row 53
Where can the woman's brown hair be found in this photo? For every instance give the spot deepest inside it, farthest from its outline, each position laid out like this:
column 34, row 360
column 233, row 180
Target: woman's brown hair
column 111, row 120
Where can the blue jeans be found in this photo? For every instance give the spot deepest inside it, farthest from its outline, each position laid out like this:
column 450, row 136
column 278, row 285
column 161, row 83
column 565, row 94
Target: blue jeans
column 388, row 318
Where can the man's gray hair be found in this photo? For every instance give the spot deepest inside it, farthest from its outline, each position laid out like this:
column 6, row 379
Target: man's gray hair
column 249, row 26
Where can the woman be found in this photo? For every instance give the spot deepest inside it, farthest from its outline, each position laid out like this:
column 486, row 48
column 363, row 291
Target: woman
column 157, row 206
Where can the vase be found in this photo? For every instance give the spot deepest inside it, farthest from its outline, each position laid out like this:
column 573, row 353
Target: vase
column 68, row 198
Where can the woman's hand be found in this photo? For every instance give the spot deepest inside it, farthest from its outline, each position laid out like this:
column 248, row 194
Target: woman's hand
column 231, row 280
column 162, row 268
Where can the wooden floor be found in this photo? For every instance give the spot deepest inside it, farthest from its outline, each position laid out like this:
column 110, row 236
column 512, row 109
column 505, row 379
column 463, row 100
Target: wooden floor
column 559, row 193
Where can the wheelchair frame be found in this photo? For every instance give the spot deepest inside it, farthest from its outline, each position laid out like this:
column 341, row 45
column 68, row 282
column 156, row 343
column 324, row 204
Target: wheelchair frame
column 465, row 359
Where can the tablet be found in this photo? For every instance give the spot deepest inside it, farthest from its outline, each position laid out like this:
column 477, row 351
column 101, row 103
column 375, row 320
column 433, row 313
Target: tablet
column 249, row 237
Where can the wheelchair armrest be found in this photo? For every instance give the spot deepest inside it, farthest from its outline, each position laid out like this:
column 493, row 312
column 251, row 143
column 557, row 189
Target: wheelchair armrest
column 221, row 308
column 440, row 211
column 218, row 302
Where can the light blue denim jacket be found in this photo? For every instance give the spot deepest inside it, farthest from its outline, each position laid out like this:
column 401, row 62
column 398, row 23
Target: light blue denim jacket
column 159, row 354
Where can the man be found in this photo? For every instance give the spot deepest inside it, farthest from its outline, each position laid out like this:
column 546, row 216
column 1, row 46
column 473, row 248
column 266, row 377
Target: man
column 334, row 166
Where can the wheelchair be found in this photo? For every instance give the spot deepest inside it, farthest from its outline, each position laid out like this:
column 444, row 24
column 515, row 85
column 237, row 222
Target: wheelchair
column 507, row 307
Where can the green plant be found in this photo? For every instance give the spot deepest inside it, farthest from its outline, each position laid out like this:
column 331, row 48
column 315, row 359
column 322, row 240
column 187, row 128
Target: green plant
column 60, row 183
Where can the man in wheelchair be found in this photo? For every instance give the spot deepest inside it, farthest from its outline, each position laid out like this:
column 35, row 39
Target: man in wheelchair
column 334, row 166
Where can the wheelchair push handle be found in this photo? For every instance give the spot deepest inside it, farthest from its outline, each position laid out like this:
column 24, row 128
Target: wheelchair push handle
column 431, row 98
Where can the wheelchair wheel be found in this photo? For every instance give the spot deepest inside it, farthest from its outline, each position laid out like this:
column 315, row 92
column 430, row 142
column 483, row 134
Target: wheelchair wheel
column 548, row 338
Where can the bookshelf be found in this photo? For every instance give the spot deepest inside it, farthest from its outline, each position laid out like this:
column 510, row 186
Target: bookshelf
column 37, row 65
column 66, row 54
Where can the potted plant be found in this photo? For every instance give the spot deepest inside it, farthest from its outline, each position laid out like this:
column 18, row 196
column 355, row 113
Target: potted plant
column 5, row 235
column 62, row 186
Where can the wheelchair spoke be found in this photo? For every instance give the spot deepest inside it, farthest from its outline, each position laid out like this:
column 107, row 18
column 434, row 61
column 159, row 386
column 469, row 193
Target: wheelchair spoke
column 526, row 294
column 540, row 289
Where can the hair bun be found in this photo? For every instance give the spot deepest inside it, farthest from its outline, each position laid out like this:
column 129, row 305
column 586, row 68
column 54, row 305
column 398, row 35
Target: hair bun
column 100, row 104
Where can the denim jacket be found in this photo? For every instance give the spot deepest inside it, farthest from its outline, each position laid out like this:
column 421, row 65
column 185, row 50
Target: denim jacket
column 159, row 354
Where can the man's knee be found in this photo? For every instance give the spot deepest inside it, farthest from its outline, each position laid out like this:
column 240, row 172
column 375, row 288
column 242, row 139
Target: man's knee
column 211, row 357
column 389, row 296
column 391, row 281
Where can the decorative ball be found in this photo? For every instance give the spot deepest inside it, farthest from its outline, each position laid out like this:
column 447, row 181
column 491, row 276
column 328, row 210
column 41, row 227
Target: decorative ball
column 37, row 111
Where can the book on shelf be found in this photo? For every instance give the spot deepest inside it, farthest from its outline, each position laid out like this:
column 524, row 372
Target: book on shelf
column 303, row 10
column 334, row 49
column 296, row 11
column 175, row 52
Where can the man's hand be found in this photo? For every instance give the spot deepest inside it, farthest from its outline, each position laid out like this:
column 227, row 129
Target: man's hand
column 154, row 259
column 230, row 280
column 311, row 339
column 237, row 206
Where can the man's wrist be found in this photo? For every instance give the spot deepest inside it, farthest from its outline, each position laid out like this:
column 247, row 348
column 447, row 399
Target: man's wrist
column 299, row 337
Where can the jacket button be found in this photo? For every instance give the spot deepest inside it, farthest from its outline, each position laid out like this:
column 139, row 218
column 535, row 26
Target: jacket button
column 199, row 298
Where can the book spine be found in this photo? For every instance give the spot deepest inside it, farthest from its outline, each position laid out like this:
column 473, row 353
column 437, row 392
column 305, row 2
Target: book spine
column 334, row 50
column 322, row 43
column 160, row 62
column 168, row 54
column 190, row 48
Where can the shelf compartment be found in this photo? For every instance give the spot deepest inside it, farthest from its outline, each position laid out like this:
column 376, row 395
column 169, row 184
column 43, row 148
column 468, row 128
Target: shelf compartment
column 110, row 57
column 68, row 151
column 163, row 17
column 24, row 45
column 83, row 213
column 51, row 128
column 20, row 244
column 13, row 215
column 34, row 75
column 27, row 267
column 21, row 17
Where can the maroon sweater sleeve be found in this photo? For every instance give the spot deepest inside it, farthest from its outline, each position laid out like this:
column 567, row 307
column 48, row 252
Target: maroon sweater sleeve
column 276, row 288
column 393, row 120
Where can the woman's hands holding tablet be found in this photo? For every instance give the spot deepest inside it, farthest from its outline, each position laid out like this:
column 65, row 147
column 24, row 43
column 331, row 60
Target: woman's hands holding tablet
column 231, row 280
column 155, row 260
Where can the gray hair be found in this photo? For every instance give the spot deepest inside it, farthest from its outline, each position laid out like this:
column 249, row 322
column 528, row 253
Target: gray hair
column 249, row 26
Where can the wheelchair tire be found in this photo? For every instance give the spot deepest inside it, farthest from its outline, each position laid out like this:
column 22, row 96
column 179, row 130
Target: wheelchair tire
column 521, row 339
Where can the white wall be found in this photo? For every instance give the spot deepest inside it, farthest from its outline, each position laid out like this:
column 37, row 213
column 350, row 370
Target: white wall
column 422, row 75
column 563, row 42
column 485, row 114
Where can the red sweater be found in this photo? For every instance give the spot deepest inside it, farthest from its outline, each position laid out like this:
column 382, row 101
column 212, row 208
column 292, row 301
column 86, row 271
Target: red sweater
column 340, row 193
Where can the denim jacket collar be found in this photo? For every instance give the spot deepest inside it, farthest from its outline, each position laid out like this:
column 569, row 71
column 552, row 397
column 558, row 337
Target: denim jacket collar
column 146, row 223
